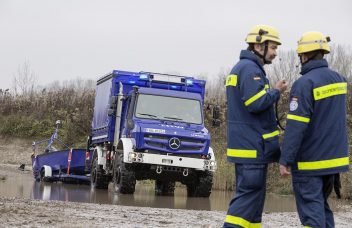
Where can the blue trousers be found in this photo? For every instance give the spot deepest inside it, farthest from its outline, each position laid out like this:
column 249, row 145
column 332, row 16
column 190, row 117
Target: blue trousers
column 311, row 194
column 245, row 209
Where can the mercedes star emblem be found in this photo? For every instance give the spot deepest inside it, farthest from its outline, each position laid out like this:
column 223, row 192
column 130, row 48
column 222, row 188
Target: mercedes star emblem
column 174, row 143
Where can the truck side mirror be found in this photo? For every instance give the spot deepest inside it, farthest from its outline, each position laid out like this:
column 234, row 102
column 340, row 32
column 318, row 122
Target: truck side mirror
column 111, row 112
column 216, row 116
column 113, row 102
column 131, row 106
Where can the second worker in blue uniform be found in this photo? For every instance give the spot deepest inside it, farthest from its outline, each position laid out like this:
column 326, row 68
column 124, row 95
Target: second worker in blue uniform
column 315, row 144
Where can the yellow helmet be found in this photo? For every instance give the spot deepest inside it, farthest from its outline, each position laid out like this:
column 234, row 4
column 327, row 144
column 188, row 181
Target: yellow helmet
column 261, row 33
column 312, row 41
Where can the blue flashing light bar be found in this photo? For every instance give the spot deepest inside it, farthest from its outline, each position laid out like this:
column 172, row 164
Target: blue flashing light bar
column 144, row 77
column 189, row 82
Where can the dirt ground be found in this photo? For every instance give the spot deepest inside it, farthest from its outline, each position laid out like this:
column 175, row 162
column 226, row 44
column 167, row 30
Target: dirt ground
column 15, row 151
column 16, row 212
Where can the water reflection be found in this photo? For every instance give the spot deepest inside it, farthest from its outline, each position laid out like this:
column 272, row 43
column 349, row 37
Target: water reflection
column 25, row 187
column 143, row 197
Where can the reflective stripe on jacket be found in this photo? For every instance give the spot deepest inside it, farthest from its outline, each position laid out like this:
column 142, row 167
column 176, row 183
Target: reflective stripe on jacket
column 316, row 133
column 252, row 131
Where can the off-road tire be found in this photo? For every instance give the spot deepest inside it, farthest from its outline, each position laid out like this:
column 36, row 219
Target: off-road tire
column 164, row 188
column 201, row 187
column 97, row 178
column 124, row 180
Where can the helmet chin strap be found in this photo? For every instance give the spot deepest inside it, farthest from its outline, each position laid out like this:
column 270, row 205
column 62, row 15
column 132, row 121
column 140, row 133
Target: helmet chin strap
column 265, row 52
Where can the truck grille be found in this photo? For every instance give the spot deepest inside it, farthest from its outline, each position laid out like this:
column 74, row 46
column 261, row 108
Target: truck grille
column 161, row 142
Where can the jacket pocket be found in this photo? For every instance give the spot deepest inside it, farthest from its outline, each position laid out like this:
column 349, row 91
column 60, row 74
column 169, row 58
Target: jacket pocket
column 271, row 145
column 243, row 136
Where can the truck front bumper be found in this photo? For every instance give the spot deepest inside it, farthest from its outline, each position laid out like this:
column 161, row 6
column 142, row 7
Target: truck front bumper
column 175, row 161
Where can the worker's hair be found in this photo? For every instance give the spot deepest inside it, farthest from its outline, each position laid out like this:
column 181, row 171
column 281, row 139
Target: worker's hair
column 251, row 46
column 316, row 55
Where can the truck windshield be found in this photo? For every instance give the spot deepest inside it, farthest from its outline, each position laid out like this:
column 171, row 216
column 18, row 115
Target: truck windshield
column 169, row 108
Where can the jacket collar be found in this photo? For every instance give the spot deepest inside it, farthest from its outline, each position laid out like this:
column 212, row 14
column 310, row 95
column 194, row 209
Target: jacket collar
column 245, row 54
column 313, row 64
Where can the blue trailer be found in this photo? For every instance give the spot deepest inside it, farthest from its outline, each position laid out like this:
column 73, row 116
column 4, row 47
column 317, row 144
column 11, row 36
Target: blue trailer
column 150, row 126
column 67, row 165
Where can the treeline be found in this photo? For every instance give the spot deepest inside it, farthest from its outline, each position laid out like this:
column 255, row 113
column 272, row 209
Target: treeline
column 30, row 111
column 32, row 114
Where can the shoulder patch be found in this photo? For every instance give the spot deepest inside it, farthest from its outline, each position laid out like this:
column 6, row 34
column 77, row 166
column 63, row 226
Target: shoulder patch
column 294, row 104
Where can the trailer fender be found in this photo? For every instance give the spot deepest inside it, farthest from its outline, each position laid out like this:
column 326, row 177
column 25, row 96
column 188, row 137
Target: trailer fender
column 127, row 148
column 47, row 171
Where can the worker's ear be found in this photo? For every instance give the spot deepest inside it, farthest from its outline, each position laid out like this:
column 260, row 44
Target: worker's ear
column 259, row 47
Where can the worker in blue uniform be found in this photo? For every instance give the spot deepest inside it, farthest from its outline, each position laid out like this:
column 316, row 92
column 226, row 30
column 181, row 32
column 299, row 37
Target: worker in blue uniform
column 315, row 146
column 252, row 137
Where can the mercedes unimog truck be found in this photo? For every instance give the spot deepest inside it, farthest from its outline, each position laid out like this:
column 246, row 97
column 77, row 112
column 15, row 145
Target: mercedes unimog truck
column 150, row 126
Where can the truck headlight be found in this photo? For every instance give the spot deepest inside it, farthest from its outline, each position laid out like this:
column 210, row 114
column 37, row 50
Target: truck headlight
column 135, row 157
column 132, row 156
column 209, row 165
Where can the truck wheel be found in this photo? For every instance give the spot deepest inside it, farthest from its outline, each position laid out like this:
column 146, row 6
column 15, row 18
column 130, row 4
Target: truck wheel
column 202, row 187
column 97, row 178
column 164, row 188
column 124, row 180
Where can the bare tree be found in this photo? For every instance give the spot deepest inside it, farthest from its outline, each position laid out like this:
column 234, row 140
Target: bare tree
column 24, row 81
column 216, row 91
column 286, row 68
column 340, row 59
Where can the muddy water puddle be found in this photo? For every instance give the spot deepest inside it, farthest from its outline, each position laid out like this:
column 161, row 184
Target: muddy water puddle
column 25, row 187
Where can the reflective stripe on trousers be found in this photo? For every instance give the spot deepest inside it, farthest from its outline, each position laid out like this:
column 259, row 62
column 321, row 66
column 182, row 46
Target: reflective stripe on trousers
column 241, row 222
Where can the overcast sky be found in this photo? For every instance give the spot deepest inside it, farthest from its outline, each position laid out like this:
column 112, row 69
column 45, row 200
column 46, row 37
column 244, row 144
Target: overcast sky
column 63, row 40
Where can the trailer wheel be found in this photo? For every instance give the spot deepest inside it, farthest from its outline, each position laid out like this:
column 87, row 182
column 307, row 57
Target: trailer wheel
column 201, row 187
column 164, row 188
column 97, row 177
column 124, row 180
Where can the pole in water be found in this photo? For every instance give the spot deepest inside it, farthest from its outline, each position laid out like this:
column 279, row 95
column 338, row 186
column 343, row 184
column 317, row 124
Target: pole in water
column 69, row 157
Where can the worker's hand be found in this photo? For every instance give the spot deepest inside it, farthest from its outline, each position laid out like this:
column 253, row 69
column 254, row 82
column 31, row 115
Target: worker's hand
column 284, row 171
column 281, row 85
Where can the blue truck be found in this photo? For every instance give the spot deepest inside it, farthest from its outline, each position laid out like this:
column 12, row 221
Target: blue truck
column 150, row 126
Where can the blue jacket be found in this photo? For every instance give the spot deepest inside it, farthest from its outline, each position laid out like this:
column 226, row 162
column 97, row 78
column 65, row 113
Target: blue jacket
column 316, row 142
column 252, row 134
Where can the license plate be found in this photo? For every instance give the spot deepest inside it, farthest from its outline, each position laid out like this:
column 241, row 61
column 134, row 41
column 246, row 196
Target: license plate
column 167, row 161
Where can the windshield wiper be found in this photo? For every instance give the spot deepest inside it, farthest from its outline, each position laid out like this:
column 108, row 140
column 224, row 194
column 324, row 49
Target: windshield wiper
column 172, row 118
column 150, row 115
